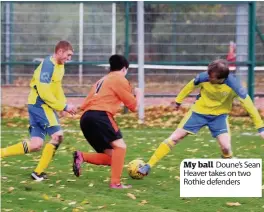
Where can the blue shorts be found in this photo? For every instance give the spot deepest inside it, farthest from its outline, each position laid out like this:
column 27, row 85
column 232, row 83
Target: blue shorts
column 193, row 122
column 43, row 120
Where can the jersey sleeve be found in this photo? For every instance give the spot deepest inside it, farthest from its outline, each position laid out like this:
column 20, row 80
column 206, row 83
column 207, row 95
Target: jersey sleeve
column 60, row 94
column 253, row 112
column 193, row 84
column 236, row 86
column 44, row 88
column 187, row 89
column 123, row 90
column 245, row 101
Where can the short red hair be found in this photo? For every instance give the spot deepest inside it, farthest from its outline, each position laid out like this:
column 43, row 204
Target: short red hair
column 63, row 44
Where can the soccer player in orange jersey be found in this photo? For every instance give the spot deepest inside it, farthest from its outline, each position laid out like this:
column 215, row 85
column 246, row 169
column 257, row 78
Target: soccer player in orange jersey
column 98, row 125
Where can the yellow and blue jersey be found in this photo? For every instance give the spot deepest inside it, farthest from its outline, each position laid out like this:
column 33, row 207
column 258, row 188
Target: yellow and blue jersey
column 45, row 98
column 46, row 85
column 217, row 99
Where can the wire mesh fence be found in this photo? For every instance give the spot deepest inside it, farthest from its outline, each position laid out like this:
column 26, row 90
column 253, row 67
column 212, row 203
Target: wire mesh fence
column 191, row 33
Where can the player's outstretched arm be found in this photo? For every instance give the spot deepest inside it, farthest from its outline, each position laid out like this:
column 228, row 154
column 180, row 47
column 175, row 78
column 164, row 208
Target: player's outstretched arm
column 246, row 102
column 186, row 90
column 176, row 105
column 254, row 114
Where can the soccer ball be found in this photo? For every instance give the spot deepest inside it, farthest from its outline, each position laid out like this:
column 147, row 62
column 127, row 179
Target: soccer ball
column 132, row 168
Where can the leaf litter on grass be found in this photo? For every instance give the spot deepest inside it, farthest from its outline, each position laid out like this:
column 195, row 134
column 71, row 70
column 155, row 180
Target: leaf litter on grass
column 63, row 163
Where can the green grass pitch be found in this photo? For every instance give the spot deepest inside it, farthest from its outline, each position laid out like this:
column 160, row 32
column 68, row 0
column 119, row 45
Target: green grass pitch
column 160, row 191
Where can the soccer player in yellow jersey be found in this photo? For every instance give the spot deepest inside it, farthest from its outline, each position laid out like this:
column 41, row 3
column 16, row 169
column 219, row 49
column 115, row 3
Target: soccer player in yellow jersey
column 218, row 88
column 45, row 98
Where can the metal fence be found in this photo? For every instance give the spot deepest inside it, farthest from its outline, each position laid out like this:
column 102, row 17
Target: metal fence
column 176, row 33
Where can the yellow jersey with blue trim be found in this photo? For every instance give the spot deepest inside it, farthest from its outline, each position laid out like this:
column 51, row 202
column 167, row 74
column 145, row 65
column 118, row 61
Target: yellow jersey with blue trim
column 217, row 99
column 46, row 85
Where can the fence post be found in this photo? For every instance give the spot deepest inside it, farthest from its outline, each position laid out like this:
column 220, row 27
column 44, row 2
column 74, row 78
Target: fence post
column 113, row 28
column 8, row 28
column 251, row 50
column 242, row 34
column 127, row 5
column 141, row 54
column 174, row 30
column 80, row 43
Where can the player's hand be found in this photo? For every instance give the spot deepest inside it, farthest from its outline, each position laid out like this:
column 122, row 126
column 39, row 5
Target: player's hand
column 175, row 105
column 138, row 95
column 262, row 134
column 71, row 109
column 62, row 114
column 79, row 110
column 137, row 91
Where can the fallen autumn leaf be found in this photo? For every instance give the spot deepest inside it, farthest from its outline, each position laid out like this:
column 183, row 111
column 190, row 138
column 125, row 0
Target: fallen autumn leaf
column 132, row 196
column 233, row 204
column 10, row 189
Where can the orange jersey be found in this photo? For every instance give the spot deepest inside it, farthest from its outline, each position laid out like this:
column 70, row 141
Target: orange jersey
column 108, row 93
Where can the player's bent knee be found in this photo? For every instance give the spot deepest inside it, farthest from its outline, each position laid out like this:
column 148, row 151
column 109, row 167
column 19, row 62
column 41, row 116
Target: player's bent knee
column 119, row 144
column 108, row 152
column 123, row 146
column 35, row 144
column 56, row 140
column 177, row 135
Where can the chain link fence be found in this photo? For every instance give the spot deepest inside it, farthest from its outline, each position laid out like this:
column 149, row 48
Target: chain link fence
column 175, row 33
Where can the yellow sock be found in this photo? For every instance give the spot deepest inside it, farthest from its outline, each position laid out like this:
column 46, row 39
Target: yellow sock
column 163, row 149
column 20, row 148
column 46, row 157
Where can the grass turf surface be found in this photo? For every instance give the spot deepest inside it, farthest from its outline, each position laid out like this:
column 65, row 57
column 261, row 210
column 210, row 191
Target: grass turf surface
column 160, row 191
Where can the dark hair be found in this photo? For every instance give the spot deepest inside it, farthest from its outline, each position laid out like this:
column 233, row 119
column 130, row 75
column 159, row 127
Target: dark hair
column 63, row 44
column 117, row 62
column 220, row 68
